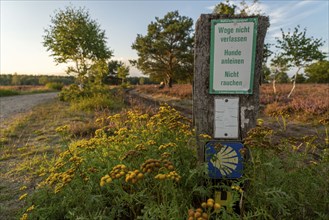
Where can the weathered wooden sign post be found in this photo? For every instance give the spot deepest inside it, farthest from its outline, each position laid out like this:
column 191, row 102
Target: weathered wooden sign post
column 228, row 62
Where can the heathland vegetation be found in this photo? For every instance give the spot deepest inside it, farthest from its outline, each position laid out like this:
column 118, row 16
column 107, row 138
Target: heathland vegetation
column 109, row 160
column 97, row 153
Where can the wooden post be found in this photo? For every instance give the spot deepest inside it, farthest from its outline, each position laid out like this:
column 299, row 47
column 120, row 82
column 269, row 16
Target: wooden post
column 204, row 102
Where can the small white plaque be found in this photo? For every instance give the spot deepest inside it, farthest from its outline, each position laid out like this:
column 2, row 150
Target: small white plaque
column 226, row 118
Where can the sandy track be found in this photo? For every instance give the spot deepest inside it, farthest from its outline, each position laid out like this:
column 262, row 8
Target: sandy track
column 12, row 105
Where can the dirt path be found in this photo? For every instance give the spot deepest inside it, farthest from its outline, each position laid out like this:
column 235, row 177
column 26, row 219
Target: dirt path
column 27, row 129
column 13, row 105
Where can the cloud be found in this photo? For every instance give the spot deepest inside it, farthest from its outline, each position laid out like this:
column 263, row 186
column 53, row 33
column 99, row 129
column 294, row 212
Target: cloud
column 280, row 17
column 210, row 8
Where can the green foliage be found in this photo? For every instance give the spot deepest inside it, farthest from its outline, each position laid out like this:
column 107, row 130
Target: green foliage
column 9, row 79
column 74, row 37
column 300, row 78
column 266, row 52
column 71, row 93
column 22, row 90
column 8, row 92
column 136, row 166
column 97, row 102
column 98, row 73
column 123, row 72
column 228, row 8
column 142, row 166
column 92, row 97
column 284, row 181
column 318, row 72
column 55, row 85
column 282, row 77
column 166, row 51
column 140, row 80
column 279, row 67
column 299, row 50
column 16, row 80
column 224, row 8
column 43, row 80
column 113, row 66
column 266, row 72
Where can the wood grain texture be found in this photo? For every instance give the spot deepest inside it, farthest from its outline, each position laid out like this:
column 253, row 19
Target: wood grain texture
column 203, row 102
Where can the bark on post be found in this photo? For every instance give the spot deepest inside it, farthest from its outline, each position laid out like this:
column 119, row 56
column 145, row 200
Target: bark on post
column 203, row 102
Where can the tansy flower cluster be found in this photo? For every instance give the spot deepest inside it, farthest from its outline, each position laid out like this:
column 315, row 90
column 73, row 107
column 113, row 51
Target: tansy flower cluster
column 75, row 159
column 140, row 147
column 24, row 217
column 165, row 146
column 29, row 209
column 134, row 176
column 151, row 165
column 117, row 172
column 237, row 188
column 143, row 153
column 105, row 179
column 205, row 211
column 165, row 155
column 173, row 175
column 59, row 179
column 23, row 188
column 131, row 154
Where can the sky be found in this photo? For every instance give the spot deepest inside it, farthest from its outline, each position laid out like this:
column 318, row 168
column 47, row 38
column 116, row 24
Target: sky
column 23, row 24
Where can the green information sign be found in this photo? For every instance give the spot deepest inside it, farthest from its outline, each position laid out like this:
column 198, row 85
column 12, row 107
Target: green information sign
column 232, row 55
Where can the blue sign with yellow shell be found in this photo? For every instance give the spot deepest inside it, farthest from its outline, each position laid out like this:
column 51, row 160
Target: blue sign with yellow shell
column 224, row 159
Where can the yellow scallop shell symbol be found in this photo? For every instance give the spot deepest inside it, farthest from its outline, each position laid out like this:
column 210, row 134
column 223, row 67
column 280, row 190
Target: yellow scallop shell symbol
column 225, row 160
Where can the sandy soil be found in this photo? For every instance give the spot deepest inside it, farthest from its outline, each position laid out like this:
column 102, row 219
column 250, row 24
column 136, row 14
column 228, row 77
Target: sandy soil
column 13, row 105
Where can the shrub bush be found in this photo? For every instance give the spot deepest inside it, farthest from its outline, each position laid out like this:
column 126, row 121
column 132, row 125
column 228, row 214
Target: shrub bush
column 97, row 102
column 71, row 93
column 7, row 92
column 55, row 86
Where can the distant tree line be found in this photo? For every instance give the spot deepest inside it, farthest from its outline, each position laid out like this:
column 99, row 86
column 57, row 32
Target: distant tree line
column 140, row 80
column 16, row 79
column 36, row 80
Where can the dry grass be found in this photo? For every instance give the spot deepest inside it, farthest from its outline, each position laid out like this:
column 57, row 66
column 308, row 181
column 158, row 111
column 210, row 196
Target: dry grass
column 21, row 90
column 28, row 143
column 307, row 99
column 182, row 91
column 24, row 88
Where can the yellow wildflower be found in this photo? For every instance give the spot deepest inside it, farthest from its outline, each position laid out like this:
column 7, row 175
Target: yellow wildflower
column 24, row 217
column 23, row 196
column 237, row 188
column 23, row 188
column 151, row 142
column 205, row 136
column 29, row 209
column 260, row 121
